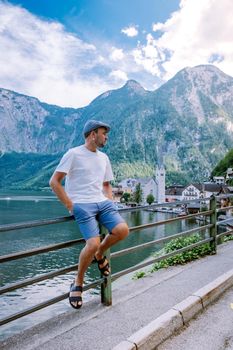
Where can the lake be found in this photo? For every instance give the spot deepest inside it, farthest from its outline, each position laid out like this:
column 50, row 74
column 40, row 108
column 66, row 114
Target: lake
column 18, row 207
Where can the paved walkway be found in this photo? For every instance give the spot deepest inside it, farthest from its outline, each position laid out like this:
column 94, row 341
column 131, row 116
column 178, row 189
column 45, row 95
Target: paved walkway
column 211, row 330
column 135, row 304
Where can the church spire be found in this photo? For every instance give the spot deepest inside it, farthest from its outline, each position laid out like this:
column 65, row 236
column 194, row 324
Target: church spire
column 160, row 176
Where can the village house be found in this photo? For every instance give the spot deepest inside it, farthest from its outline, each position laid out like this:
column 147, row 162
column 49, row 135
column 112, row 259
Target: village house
column 128, row 185
column 174, row 193
column 117, row 193
column 219, row 180
column 194, row 191
column 205, row 190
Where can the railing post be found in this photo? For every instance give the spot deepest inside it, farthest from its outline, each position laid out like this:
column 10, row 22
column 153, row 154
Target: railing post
column 106, row 286
column 213, row 219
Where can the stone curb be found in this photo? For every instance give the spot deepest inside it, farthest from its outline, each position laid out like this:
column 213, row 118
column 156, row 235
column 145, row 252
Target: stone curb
column 189, row 307
column 160, row 329
column 125, row 345
column 214, row 289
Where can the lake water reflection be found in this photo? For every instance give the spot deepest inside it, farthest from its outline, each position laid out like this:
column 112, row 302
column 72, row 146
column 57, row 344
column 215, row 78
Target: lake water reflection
column 25, row 206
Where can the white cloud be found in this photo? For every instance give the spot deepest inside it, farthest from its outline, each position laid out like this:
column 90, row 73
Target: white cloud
column 130, row 31
column 157, row 26
column 149, row 56
column 119, row 75
column 41, row 59
column 195, row 34
column 117, row 54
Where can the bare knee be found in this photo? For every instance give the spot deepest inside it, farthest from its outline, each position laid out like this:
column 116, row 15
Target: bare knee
column 121, row 230
column 93, row 244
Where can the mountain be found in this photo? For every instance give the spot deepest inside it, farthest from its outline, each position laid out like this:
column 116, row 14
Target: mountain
column 187, row 122
column 26, row 170
column 197, row 104
column 28, row 125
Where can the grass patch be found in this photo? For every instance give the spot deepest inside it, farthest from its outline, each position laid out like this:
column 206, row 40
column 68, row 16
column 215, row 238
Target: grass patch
column 228, row 238
column 139, row 274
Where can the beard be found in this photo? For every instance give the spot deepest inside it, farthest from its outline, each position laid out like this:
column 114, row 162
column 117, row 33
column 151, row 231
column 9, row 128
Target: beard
column 100, row 144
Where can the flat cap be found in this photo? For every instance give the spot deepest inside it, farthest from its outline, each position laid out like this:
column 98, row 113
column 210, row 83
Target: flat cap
column 93, row 125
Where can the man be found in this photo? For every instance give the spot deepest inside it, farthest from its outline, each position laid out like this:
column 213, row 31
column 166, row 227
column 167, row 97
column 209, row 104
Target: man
column 88, row 196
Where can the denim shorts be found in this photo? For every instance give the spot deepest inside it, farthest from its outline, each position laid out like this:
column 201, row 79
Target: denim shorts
column 90, row 215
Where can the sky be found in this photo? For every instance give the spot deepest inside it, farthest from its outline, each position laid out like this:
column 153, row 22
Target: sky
column 69, row 52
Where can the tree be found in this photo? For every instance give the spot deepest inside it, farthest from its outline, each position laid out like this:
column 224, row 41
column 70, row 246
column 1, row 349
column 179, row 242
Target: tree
column 138, row 193
column 125, row 197
column 150, row 199
column 223, row 165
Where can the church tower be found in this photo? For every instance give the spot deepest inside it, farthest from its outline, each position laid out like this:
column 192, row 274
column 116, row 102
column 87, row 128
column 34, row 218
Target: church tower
column 160, row 174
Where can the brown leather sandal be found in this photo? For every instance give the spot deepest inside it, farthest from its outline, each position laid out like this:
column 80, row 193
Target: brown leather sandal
column 105, row 270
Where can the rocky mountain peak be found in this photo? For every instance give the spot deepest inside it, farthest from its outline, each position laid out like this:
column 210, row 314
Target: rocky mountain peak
column 134, row 86
column 131, row 89
column 199, row 91
column 207, row 74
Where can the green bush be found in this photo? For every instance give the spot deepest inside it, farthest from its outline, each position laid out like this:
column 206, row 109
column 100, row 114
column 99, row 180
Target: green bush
column 184, row 257
column 181, row 258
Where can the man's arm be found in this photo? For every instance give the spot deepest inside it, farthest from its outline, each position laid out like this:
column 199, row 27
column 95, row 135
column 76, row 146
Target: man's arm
column 55, row 183
column 107, row 188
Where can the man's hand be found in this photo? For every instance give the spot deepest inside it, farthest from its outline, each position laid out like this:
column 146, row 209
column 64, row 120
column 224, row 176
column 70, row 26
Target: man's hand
column 69, row 206
column 107, row 189
column 55, row 183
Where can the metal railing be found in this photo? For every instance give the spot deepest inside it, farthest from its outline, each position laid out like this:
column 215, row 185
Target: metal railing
column 106, row 294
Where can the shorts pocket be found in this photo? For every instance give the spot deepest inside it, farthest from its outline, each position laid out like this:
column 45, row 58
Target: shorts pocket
column 80, row 214
column 77, row 211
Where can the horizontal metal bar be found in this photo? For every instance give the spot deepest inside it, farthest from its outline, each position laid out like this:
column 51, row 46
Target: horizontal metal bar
column 224, row 208
column 44, row 304
column 224, row 221
column 158, row 241
column 226, row 233
column 140, row 227
column 36, row 251
column 35, row 223
column 139, row 266
column 42, row 277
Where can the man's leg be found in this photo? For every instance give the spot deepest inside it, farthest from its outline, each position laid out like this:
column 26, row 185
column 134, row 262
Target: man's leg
column 85, row 258
column 118, row 233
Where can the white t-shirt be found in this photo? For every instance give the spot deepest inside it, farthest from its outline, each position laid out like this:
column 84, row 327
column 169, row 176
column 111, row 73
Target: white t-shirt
column 85, row 173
